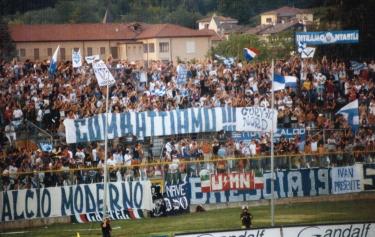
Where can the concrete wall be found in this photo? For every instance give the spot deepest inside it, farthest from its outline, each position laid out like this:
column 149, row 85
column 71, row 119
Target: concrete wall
column 11, row 225
column 291, row 201
column 180, row 46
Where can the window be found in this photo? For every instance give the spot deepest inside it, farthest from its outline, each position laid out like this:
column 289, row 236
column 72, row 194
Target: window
column 269, row 20
column 49, row 52
column 102, row 50
column 114, row 52
column 22, row 53
column 145, row 48
column 163, row 47
column 89, row 51
column 151, row 48
column 206, row 26
column 36, row 54
column 190, row 47
column 62, row 53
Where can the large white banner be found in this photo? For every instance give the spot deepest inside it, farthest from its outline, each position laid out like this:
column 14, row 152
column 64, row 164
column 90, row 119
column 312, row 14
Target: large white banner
column 163, row 123
column 76, row 58
column 347, row 179
column 346, row 230
column 71, row 200
column 274, row 232
column 102, row 74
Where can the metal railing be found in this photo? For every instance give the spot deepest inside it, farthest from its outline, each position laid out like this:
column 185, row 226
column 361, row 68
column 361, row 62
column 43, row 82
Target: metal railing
column 157, row 169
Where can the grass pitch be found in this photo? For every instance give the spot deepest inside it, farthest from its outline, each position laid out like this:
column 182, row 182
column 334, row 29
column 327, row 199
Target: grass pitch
column 304, row 213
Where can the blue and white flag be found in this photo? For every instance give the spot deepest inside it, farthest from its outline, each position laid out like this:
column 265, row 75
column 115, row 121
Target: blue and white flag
column 92, row 58
column 102, row 74
column 280, row 82
column 226, row 61
column 351, row 114
column 53, row 64
column 76, row 58
column 357, row 67
column 306, row 52
column 181, row 74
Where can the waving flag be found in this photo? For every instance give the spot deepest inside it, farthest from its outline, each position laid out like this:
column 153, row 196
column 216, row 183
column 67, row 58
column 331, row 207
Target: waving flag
column 351, row 114
column 226, row 61
column 306, row 52
column 357, row 67
column 53, row 63
column 250, row 53
column 280, row 82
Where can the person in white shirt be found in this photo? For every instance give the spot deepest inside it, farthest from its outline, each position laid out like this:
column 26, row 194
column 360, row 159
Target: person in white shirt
column 127, row 157
column 10, row 133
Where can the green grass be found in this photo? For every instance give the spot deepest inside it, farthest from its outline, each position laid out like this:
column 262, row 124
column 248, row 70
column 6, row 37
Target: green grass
column 324, row 212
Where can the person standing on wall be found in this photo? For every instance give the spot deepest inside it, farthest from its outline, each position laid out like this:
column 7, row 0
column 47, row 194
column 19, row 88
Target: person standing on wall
column 246, row 218
column 106, row 227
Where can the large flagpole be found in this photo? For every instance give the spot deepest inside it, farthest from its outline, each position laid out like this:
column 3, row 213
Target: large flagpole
column 272, row 150
column 105, row 181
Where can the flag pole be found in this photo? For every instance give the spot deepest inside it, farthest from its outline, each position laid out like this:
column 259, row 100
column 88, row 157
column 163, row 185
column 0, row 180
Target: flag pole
column 105, row 181
column 272, row 150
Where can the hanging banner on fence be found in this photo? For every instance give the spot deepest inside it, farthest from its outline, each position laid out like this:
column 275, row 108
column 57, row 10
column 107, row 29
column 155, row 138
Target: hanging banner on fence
column 71, row 200
column 174, row 201
column 293, row 183
column 231, row 181
column 271, row 232
column 288, row 133
column 163, row 123
column 347, row 179
column 368, row 177
column 328, row 37
column 344, row 230
column 102, row 74
column 257, row 119
column 113, row 215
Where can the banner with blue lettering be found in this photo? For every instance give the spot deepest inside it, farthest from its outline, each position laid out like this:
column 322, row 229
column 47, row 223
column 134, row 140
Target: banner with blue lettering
column 328, row 37
column 71, row 200
column 163, row 123
column 347, row 179
column 293, row 183
column 288, row 133
column 369, row 177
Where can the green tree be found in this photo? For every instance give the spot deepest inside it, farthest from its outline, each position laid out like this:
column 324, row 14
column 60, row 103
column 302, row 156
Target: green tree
column 276, row 46
column 233, row 47
column 7, row 47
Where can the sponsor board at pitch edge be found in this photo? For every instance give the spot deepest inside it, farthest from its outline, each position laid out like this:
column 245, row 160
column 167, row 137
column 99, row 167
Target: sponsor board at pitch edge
column 273, row 232
column 345, row 230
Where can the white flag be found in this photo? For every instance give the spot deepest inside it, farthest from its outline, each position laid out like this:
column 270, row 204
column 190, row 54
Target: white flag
column 308, row 52
column 76, row 58
column 102, row 74
column 91, row 59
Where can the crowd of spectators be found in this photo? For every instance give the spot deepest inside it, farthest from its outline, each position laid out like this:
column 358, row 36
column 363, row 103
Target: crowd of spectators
column 29, row 93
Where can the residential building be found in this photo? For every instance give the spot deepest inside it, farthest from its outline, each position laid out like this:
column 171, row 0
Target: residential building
column 131, row 41
column 286, row 14
column 223, row 26
column 282, row 19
